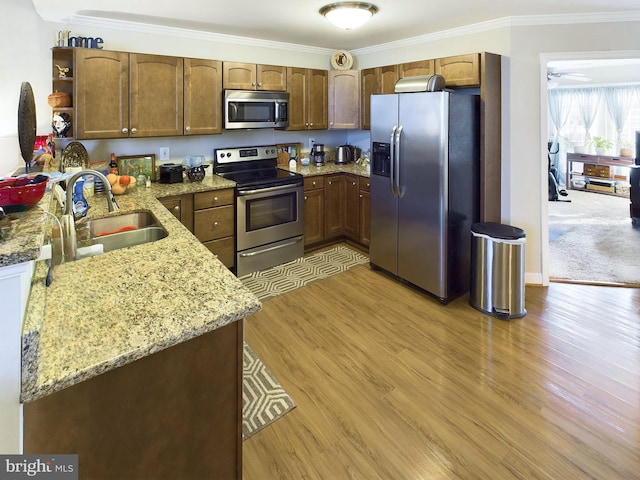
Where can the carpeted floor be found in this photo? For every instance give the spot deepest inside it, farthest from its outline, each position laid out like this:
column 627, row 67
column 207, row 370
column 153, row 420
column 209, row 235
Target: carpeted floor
column 593, row 240
column 264, row 400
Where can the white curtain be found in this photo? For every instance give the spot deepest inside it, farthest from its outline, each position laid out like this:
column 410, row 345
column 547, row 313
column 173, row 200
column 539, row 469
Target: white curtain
column 559, row 101
column 588, row 100
column 619, row 103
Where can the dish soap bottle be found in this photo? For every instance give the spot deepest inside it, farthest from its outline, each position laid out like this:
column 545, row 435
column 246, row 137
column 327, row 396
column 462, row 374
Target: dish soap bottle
column 80, row 204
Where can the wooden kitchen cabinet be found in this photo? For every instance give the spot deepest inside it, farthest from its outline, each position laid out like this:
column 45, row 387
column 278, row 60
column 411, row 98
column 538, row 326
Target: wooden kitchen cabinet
column 181, row 206
column 378, row 80
column 156, row 89
column 334, row 205
column 308, row 98
column 127, row 95
column 249, row 76
column 352, row 210
column 214, row 223
column 459, row 71
column 313, row 210
column 101, row 98
column 168, row 401
column 344, row 99
column 364, row 185
column 412, row 69
column 202, row 97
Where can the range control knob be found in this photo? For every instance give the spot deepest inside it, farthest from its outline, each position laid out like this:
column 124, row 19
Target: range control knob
column 228, row 154
column 222, row 155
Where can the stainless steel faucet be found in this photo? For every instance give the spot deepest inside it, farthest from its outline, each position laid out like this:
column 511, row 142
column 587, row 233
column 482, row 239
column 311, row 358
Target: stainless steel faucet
column 68, row 219
column 71, row 182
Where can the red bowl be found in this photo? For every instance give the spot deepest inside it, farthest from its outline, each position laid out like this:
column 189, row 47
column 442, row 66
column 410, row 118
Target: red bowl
column 14, row 196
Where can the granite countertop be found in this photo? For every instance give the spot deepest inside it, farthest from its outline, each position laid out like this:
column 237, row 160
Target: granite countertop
column 106, row 311
column 103, row 312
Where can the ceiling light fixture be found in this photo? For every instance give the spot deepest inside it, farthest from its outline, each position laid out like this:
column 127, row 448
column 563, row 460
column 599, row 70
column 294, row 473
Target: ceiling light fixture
column 348, row 15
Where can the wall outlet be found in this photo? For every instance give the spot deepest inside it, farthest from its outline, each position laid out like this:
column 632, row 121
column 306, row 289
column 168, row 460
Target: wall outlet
column 312, row 141
column 164, row 153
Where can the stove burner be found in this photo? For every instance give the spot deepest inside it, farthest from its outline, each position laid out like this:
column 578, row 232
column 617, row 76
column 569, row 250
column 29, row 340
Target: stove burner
column 253, row 167
column 263, row 177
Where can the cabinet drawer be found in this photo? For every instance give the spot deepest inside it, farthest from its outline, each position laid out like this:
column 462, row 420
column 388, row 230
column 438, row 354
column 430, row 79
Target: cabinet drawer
column 213, row 198
column 312, row 183
column 224, row 249
column 214, row 223
column 364, row 183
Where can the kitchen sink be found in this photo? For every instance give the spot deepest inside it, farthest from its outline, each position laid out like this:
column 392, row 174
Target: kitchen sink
column 129, row 238
column 120, row 231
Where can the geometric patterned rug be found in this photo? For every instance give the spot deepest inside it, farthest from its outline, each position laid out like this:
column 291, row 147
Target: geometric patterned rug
column 264, row 400
column 289, row 276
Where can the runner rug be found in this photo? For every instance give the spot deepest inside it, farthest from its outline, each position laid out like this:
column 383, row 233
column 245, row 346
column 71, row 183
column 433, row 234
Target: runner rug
column 264, row 400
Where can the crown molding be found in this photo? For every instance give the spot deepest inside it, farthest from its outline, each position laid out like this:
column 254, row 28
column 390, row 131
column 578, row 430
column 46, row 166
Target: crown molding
column 505, row 22
column 98, row 22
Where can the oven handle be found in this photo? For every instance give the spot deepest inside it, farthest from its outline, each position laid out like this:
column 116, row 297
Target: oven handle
column 288, row 244
column 268, row 189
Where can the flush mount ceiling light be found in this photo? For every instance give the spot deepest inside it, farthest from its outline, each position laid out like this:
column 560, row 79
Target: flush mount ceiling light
column 348, row 15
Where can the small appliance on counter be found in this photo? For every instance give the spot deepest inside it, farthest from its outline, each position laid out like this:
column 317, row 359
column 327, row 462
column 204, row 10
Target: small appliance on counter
column 344, row 154
column 171, row 173
column 317, row 154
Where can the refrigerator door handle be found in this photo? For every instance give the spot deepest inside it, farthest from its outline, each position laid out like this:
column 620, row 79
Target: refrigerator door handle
column 399, row 191
column 392, row 161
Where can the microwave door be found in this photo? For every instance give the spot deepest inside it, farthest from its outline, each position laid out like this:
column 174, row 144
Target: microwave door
column 250, row 114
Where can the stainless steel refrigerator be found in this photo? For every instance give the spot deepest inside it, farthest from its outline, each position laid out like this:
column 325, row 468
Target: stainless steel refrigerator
column 425, row 158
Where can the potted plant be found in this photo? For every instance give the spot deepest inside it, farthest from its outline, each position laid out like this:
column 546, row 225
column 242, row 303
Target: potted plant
column 626, row 148
column 601, row 145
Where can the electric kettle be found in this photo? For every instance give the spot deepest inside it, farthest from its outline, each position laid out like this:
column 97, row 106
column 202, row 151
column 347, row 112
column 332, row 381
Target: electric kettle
column 344, row 154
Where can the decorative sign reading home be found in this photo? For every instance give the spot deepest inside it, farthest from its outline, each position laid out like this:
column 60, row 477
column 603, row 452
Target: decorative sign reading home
column 63, row 39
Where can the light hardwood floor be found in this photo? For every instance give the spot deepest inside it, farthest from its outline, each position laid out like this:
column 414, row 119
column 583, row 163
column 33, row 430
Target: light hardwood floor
column 392, row 385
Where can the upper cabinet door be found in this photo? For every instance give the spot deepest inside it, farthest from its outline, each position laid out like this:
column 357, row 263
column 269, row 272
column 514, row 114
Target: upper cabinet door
column 460, row 71
column 101, row 95
column 249, row 76
column 421, row 67
column 271, row 78
column 239, row 76
column 202, row 97
column 156, row 95
column 297, row 86
column 344, row 99
column 318, row 99
column 388, row 78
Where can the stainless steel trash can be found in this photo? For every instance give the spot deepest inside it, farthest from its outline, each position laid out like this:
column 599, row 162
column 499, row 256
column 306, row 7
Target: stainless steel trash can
column 497, row 270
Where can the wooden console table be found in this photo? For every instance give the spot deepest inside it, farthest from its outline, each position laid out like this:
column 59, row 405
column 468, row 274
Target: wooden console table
column 602, row 179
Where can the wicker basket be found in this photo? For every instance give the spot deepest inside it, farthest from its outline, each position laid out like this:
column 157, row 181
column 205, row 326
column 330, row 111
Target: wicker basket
column 59, row 99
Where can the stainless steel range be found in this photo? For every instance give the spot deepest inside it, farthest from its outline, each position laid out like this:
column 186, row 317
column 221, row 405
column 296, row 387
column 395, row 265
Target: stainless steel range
column 269, row 207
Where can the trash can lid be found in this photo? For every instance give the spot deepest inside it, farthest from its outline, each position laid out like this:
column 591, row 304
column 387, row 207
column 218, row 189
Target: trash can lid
column 498, row 230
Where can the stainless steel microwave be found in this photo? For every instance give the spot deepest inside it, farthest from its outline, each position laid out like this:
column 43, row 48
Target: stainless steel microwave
column 249, row 109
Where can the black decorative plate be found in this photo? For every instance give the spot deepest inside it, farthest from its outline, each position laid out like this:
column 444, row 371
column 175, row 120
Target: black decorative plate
column 26, row 123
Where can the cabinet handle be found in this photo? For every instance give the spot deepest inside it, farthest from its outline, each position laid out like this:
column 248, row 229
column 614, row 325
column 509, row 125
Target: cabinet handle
column 253, row 84
column 330, row 182
column 259, row 84
column 176, row 208
column 330, row 123
column 215, row 199
column 215, row 224
column 305, row 198
column 360, row 195
column 353, row 184
column 314, row 184
column 134, row 130
column 188, row 129
column 125, row 130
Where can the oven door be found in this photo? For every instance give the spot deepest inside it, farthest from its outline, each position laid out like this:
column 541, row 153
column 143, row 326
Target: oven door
column 267, row 215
